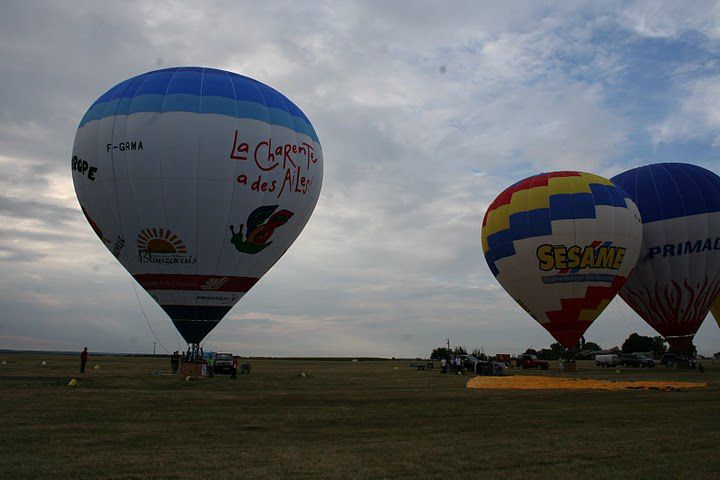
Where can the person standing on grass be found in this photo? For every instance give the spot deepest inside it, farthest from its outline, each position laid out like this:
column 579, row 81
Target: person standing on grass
column 211, row 366
column 83, row 360
column 443, row 365
column 233, row 370
column 175, row 361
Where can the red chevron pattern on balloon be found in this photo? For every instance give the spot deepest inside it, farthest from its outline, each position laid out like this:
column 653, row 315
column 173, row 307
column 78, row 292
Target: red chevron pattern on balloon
column 564, row 325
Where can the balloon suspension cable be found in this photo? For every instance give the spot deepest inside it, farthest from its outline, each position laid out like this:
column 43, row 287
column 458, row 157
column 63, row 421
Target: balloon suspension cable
column 179, row 342
column 146, row 318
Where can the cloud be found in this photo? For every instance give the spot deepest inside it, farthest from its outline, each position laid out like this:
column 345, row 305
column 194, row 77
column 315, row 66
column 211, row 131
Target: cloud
column 425, row 114
column 667, row 19
column 697, row 115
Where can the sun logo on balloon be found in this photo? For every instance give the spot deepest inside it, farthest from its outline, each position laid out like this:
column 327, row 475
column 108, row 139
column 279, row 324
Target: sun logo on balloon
column 261, row 224
column 160, row 240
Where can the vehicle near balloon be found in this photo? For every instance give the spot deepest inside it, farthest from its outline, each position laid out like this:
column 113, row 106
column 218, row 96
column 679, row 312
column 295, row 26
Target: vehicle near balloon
column 222, row 362
column 562, row 244
column 607, row 360
column 527, row 360
column 670, row 360
column 677, row 277
column 636, row 360
column 197, row 180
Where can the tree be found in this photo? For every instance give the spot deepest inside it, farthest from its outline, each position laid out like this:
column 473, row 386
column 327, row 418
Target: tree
column 440, row 353
column 531, row 351
column 690, row 351
column 592, row 346
column 553, row 353
column 640, row 343
column 460, row 350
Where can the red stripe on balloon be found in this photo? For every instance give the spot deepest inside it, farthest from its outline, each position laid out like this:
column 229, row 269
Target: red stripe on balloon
column 565, row 325
column 206, row 283
column 531, row 182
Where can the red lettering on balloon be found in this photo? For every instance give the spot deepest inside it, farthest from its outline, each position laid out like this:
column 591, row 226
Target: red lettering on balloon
column 296, row 160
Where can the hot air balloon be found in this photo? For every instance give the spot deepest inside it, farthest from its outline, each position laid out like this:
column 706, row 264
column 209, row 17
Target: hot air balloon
column 715, row 309
column 678, row 273
column 562, row 244
column 197, row 180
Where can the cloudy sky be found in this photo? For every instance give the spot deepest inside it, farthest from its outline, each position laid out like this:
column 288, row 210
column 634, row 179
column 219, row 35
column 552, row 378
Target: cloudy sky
column 425, row 110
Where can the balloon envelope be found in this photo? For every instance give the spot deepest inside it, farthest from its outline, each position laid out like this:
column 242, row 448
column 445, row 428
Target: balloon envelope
column 562, row 244
column 678, row 274
column 715, row 309
column 197, row 180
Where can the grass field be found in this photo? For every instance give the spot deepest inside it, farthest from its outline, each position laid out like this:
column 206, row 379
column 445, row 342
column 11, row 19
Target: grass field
column 344, row 420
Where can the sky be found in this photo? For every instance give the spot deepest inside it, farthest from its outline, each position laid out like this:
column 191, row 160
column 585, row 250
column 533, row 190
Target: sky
column 425, row 110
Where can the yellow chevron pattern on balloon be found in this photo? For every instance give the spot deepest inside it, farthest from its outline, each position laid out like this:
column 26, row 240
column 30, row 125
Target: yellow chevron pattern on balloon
column 528, row 208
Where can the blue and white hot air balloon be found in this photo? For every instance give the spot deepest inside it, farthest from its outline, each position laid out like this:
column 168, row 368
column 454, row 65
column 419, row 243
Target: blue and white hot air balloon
column 677, row 276
column 197, row 180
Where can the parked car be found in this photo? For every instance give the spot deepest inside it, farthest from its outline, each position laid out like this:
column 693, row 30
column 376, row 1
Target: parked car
column 637, row 360
column 669, row 359
column 468, row 361
column 531, row 361
column 607, row 360
column 222, row 363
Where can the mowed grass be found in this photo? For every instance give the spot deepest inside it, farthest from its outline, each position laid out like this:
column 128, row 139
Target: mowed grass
column 344, row 420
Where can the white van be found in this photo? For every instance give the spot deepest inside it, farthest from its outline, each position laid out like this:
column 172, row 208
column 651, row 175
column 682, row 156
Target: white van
column 609, row 360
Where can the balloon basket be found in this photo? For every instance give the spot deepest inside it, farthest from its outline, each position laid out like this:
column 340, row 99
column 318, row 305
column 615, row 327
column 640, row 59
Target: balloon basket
column 193, row 369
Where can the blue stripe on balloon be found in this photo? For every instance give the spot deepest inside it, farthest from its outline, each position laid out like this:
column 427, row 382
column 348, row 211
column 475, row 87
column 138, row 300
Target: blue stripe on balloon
column 144, row 103
column 566, row 206
column 501, row 251
column 190, row 103
column 618, row 196
column 533, row 223
column 253, row 110
column 218, row 105
column 601, row 194
column 539, row 222
column 182, row 102
column 497, row 239
column 200, row 90
column 491, row 263
column 608, row 195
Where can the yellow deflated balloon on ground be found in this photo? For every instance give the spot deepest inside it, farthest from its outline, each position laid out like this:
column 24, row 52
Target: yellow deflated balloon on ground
column 562, row 244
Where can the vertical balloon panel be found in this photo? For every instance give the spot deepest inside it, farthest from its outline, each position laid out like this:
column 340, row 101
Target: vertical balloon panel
column 210, row 177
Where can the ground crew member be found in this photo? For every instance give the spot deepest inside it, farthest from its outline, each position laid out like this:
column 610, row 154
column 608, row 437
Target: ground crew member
column 233, row 370
column 83, row 360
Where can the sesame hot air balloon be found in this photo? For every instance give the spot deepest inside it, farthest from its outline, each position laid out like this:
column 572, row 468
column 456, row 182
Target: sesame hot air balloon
column 562, row 244
column 197, row 180
column 715, row 309
column 678, row 274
